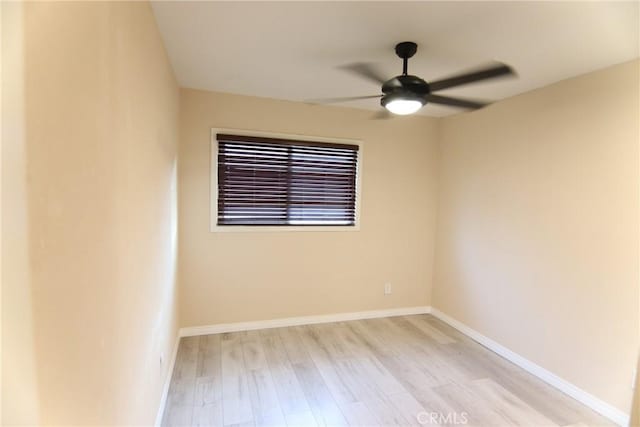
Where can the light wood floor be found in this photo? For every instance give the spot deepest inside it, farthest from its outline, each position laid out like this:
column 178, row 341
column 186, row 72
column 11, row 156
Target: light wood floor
column 396, row 371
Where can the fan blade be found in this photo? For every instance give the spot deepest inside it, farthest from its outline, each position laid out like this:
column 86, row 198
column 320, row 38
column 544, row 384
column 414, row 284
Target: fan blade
column 382, row 115
column 342, row 99
column 455, row 102
column 474, row 76
column 366, row 70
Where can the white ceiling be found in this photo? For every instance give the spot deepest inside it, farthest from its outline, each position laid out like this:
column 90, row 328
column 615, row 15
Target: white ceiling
column 292, row 50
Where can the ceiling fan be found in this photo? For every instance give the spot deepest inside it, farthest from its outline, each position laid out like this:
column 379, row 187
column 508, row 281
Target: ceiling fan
column 406, row 94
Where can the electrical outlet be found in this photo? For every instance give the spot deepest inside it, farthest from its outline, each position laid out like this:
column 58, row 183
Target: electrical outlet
column 387, row 288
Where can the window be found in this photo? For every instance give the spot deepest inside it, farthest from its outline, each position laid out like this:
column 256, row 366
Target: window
column 284, row 182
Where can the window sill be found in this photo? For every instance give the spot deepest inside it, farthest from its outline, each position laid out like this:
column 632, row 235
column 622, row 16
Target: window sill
column 282, row 228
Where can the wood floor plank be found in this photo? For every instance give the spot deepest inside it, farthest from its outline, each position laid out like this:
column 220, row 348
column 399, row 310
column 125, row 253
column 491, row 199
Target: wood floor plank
column 323, row 405
column 395, row 356
column 245, row 424
column 325, row 362
column 208, row 362
column 420, row 322
column 293, row 345
column 187, row 358
column 236, row 401
column 351, row 341
column 371, row 341
column 392, row 354
column 508, row 405
column 264, row 399
column 313, row 346
column 561, row 409
column 411, row 409
column 336, row 383
column 427, row 356
column 301, row 419
column 208, row 390
column 178, row 415
column 466, row 404
column 380, row 375
column 386, row 413
column 326, row 335
column 254, row 356
column 436, row 408
column 373, row 385
column 209, row 414
column 375, row 372
column 419, row 334
column 358, row 414
column 179, row 406
column 290, row 394
column 207, row 402
column 357, row 381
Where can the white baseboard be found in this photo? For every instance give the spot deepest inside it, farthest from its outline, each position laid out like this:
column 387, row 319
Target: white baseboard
column 167, row 383
column 600, row 406
column 304, row 320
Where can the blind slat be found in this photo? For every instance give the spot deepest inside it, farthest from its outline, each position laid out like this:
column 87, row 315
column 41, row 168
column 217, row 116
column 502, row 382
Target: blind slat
column 299, row 144
column 260, row 173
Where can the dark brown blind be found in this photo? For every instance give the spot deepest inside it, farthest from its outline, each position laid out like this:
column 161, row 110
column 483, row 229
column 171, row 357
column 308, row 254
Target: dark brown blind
column 269, row 181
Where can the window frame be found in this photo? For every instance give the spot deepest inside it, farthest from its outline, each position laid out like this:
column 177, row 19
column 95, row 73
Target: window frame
column 213, row 182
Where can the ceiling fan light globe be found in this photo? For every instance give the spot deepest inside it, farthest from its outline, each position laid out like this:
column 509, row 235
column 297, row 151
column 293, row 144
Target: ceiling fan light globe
column 403, row 107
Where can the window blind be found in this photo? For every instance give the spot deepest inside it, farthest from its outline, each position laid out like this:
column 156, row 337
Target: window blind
column 270, row 181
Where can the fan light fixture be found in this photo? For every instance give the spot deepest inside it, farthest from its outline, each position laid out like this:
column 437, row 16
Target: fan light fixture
column 403, row 106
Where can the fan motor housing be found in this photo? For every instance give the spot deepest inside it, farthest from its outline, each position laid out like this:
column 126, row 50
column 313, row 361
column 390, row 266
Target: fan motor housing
column 405, row 86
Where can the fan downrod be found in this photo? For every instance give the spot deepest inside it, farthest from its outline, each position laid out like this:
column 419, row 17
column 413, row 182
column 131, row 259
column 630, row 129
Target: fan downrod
column 406, row 50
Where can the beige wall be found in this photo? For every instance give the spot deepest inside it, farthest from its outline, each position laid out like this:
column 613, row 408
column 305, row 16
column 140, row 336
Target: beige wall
column 243, row 276
column 537, row 244
column 95, row 226
column 20, row 401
